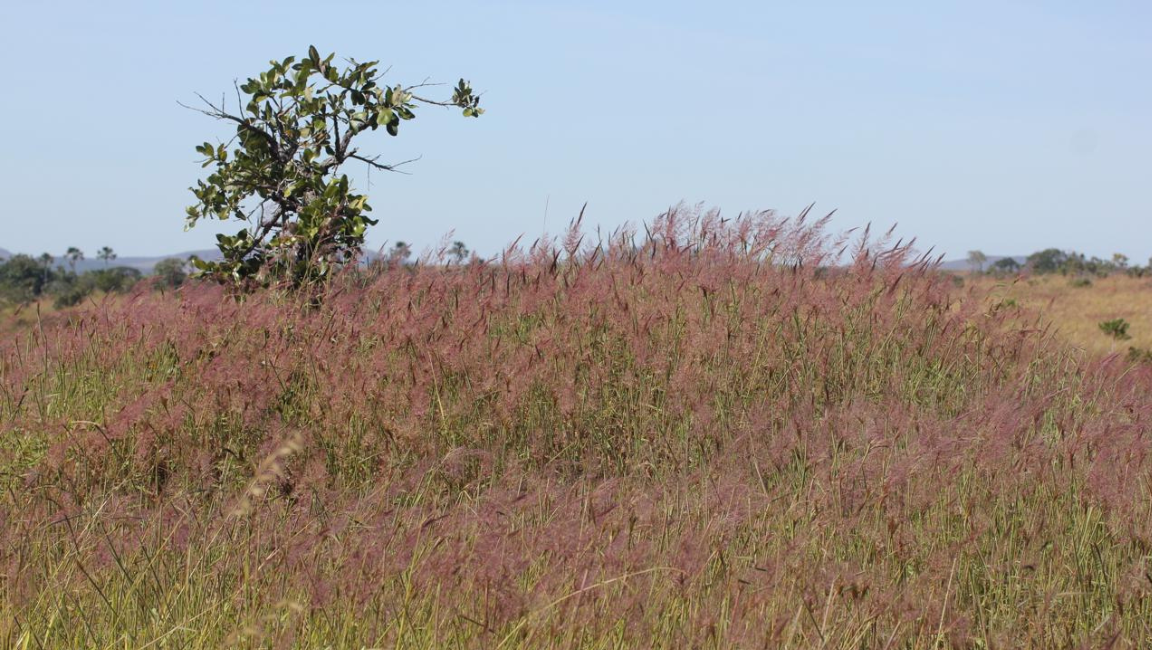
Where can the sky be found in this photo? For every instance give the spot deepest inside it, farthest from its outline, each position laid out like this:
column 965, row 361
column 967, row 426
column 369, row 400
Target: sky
column 1004, row 126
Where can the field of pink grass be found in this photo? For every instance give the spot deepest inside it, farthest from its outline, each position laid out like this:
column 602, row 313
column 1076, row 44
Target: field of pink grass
column 704, row 434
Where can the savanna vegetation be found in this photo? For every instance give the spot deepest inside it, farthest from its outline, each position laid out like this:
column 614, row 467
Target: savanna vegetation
column 706, row 435
column 1080, row 268
column 719, row 433
column 26, row 280
column 1102, row 311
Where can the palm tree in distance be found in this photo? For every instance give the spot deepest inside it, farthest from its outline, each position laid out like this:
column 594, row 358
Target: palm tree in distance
column 46, row 263
column 74, row 255
column 400, row 253
column 107, row 255
column 458, row 251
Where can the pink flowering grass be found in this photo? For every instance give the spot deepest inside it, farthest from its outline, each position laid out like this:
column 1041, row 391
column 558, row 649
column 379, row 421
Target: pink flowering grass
column 709, row 433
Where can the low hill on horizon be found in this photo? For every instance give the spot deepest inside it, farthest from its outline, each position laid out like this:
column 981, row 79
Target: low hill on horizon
column 146, row 263
column 965, row 265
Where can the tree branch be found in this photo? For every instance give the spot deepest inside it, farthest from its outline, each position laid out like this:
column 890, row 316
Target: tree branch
column 220, row 114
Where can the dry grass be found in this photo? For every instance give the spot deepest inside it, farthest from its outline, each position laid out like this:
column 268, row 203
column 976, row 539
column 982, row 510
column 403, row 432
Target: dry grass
column 18, row 318
column 1076, row 311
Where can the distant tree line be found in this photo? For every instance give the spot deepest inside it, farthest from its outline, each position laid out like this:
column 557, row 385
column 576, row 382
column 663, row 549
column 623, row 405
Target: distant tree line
column 1056, row 261
column 24, row 278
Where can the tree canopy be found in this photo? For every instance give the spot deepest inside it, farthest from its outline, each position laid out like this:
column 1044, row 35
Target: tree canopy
column 281, row 174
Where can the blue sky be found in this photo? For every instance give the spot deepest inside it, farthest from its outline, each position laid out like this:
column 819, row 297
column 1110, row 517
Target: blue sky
column 1004, row 126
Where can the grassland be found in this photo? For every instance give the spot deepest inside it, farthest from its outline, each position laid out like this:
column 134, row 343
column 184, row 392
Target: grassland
column 699, row 438
column 1076, row 309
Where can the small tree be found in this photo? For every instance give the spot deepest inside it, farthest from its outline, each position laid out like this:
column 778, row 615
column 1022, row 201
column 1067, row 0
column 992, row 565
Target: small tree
column 1116, row 328
column 284, row 178
column 399, row 253
column 22, row 278
column 45, row 260
column 1006, row 265
column 106, row 254
column 171, row 272
column 976, row 260
column 117, row 279
column 74, row 255
column 459, row 251
column 1049, row 260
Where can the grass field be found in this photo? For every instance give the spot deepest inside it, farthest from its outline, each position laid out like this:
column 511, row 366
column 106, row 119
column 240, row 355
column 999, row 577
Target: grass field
column 1077, row 310
column 16, row 319
column 702, row 438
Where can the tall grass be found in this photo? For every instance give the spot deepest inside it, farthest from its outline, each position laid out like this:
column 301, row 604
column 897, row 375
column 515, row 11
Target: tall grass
column 707, row 435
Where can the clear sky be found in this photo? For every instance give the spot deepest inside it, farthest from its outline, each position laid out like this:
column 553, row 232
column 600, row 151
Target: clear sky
column 1001, row 125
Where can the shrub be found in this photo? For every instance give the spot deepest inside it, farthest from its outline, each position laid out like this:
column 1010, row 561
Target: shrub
column 117, row 279
column 1139, row 355
column 1116, row 328
column 23, row 279
column 72, row 294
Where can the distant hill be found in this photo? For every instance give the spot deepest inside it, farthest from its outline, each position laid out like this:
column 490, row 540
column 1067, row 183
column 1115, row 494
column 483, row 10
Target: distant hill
column 964, row 265
column 144, row 264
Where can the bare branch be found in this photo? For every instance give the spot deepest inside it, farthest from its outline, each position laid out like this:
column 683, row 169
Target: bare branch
column 434, row 102
column 388, row 168
column 239, row 97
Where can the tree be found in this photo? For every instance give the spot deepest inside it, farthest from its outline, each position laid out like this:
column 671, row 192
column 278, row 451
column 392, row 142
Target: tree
column 22, row 278
column 171, row 272
column 284, row 177
column 1005, row 265
column 45, row 260
column 106, row 254
column 1049, row 260
column 74, row 292
column 399, row 253
column 459, row 251
column 976, row 260
column 116, row 279
column 74, row 255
